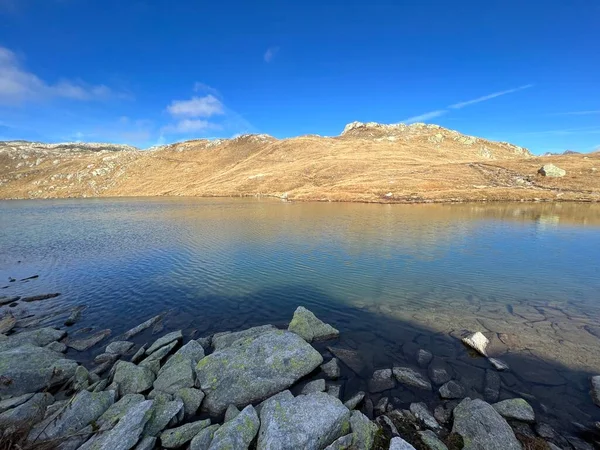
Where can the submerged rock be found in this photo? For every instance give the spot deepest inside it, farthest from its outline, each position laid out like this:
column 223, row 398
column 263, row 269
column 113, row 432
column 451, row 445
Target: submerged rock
column 237, row 433
column 75, row 316
column 550, row 170
column 28, row 368
column 482, row 428
column 37, row 298
column 306, row 324
column 410, row 377
column 424, row 357
column 176, row 437
column 477, row 341
column 119, row 347
column 332, row 369
column 351, row 358
column 308, row 421
column 498, row 364
column 141, row 327
column 596, row 389
column 515, row 408
column 439, row 371
column 89, row 342
column 452, row 390
column 132, row 379
column 224, row 340
column 253, row 369
column 491, row 392
column 382, row 380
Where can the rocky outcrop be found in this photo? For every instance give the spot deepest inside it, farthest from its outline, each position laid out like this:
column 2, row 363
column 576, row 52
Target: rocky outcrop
column 253, row 369
column 550, row 170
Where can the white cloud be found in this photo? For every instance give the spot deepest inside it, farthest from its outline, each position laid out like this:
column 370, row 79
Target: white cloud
column 270, row 54
column 578, row 113
column 205, row 88
column 18, row 85
column 441, row 112
column 488, row 97
column 196, row 107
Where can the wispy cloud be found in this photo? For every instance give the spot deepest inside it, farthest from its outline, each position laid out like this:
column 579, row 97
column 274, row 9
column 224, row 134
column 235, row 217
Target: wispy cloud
column 270, row 54
column 577, row 113
column 563, row 132
column 18, row 85
column 459, row 105
column 205, row 89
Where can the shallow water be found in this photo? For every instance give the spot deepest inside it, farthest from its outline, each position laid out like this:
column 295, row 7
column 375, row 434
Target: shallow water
column 392, row 278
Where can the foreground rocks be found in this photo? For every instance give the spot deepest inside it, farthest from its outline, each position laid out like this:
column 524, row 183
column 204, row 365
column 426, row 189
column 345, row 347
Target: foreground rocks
column 259, row 388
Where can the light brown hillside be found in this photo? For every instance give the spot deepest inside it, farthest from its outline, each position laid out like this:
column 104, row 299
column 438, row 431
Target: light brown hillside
column 367, row 162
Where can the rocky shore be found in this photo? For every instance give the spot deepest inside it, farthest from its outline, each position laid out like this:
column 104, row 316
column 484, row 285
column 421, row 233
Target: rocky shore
column 263, row 388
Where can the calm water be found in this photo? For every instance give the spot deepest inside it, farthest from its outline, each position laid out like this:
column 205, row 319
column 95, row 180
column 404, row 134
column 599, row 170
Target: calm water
column 392, row 278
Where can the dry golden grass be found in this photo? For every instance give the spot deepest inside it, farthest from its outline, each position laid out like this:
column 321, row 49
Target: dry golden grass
column 366, row 164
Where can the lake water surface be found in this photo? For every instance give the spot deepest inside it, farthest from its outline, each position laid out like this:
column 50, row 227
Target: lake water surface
column 391, row 278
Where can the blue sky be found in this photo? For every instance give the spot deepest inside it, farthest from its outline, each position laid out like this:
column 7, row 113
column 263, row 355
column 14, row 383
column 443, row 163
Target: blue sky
column 149, row 72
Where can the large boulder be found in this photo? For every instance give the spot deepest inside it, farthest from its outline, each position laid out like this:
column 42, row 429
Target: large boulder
column 237, row 433
column 253, row 369
column 515, row 408
column 308, row 421
column 482, row 428
column 132, row 379
column 177, row 373
column 224, row 340
column 306, row 324
column 28, row 413
column 550, row 170
column 204, row 438
column 39, row 338
column 29, row 368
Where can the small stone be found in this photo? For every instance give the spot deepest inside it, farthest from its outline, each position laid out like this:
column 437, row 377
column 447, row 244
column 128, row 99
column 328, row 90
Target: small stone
column 75, row 316
column 313, row 386
column 381, row 380
column 238, row 432
column 177, row 437
column 309, row 327
column 363, row 431
column 442, row 415
column 498, row 364
column 410, row 377
column 355, row 400
column 132, row 379
column 381, row 406
column 166, row 339
column 204, row 438
column 90, row 341
column 515, row 408
column 141, row 327
column 335, row 390
column 491, row 390
column 119, row 347
column 477, row 341
column 342, row 443
column 81, row 379
column 192, row 398
column 398, row 443
column 422, row 413
column 332, row 369
column 147, row 443
column 139, row 355
column 231, row 413
column 431, row 440
column 58, row 347
column 386, row 423
column 452, row 390
column 439, row 372
column 104, row 357
column 424, row 358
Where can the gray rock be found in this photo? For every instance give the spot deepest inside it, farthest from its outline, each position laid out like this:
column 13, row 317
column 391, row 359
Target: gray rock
column 88, row 342
column 313, row 386
column 75, row 316
column 160, row 396
column 424, row 358
column 381, row 380
column 141, row 327
column 308, row 421
column 382, row 405
column 176, row 375
column 132, row 379
column 351, row 358
column 363, row 431
column 162, row 413
column 192, row 350
column 431, row 440
column 139, row 354
column 439, row 372
column 283, row 395
column 491, row 391
column 119, row 347
column 113, row 414
column 231, row 413
column 29, row 368
column 596, row 389
column 306, row 324
column 442, row 415
column 498, row 364
column 98, row 386
column 550, row 170
column 253, row 369
column 13, row 402
column 166, row 339
column 147, row 443
column 398, row 443
column 422, row 413
column 579, row 444
column 106, row 357
column 224, row 340
column 51, row 409
column 355, row 400
column 153, row 360
column 335, row 390
column 39, row 338
column 410, row 377
column 83, row 409
column 342, row 443
column 204, row 438
column 332, row 369
column 7, row 323
column 238, row 433
column 81, row 378
column 126, row 433
column 515, row 408
column 452, row 390
column 477, row 341
column 482, row 428
column 28, row 413
column 386, row 423
column 58, row 347
column 192, row 399
column 176, row 437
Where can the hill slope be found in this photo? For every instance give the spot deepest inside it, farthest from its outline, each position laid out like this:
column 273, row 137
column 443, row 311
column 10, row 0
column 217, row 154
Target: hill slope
column 367, row 162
